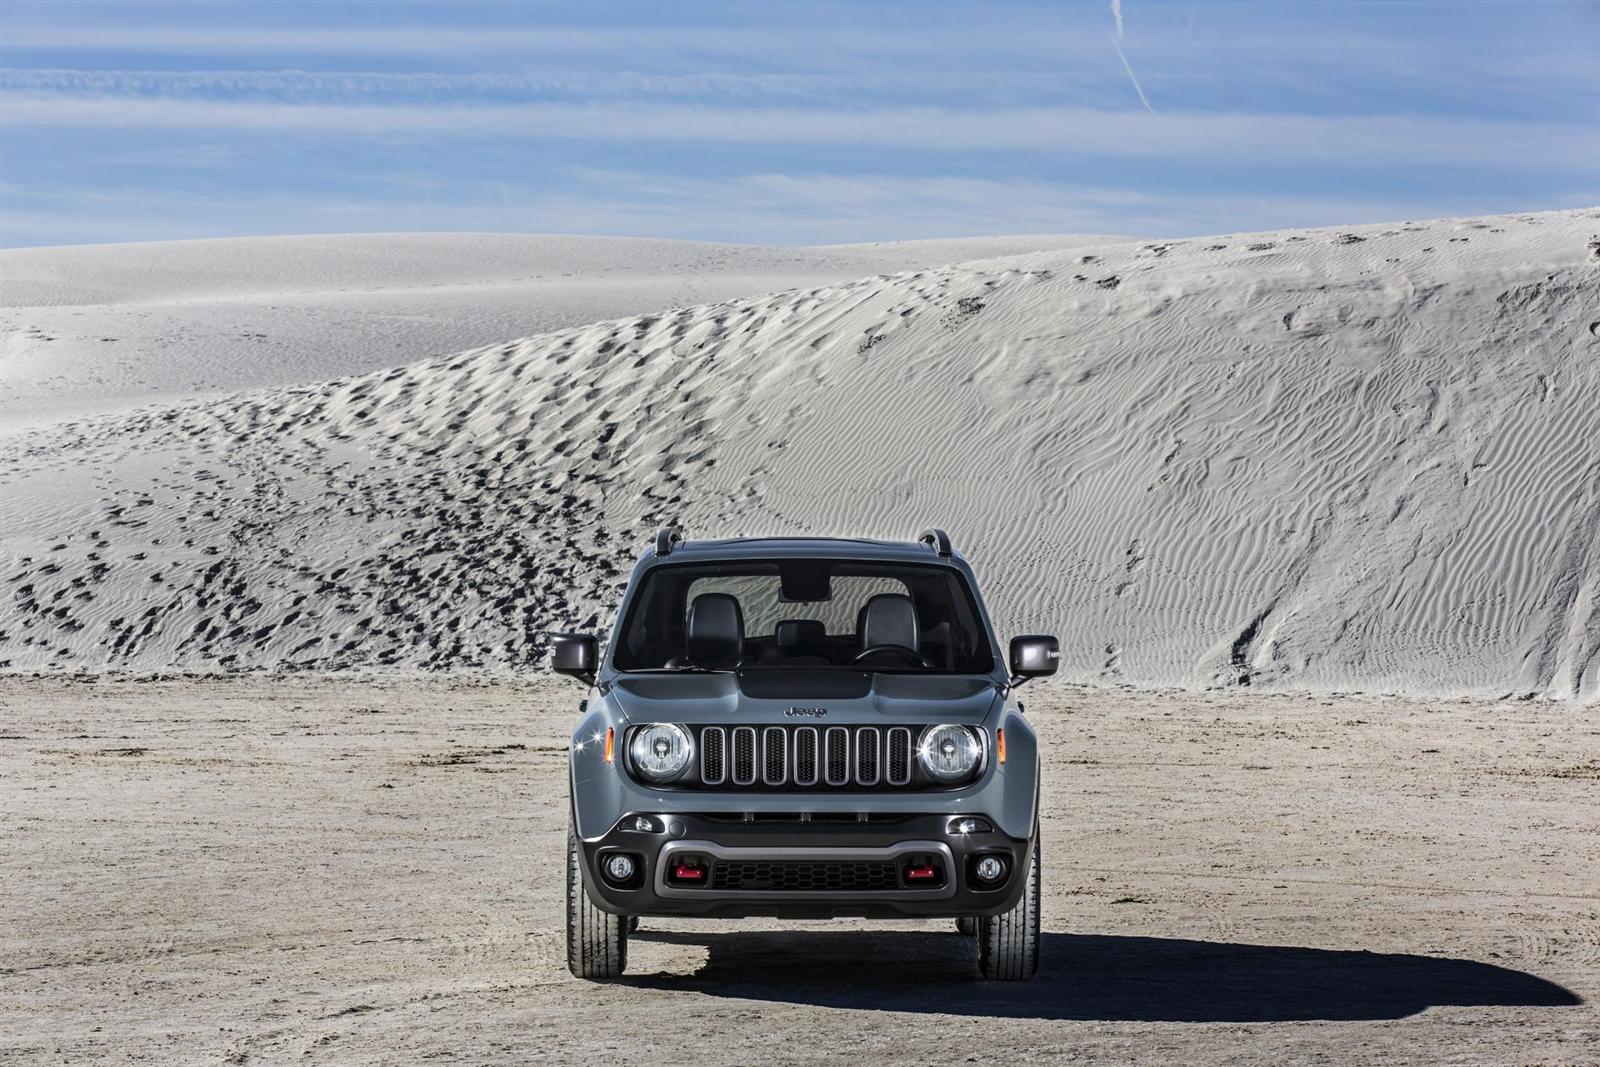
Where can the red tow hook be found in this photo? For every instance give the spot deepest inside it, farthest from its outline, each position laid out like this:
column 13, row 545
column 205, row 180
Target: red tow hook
column 921, row 872
column 683, row 872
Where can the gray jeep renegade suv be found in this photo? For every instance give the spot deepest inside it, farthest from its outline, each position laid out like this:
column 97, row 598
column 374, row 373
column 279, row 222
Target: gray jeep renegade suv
column 804, row 728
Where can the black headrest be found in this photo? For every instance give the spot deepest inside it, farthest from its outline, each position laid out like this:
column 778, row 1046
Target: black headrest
column 800, row 635
column 716, row 631
column 888, row 619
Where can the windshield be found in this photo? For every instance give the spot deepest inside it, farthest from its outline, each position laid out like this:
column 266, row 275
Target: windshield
column 803, row 613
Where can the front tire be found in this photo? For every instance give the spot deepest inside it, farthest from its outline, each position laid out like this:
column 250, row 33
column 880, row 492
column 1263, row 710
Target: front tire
column 1008, row 944
column 597, row 941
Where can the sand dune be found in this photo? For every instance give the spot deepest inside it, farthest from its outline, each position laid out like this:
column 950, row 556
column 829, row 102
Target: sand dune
column 1330, row 459
column 97, row 328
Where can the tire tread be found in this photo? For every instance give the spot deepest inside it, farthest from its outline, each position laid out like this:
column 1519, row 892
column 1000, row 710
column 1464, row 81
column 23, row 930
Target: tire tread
column 1008, row 944
column 597, row 941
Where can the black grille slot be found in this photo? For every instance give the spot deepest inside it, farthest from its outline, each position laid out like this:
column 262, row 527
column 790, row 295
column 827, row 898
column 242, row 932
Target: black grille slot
column 805, row 876
column 713, row 753
column 837, row 752
column 899, row 757
column 744, row 755
column 805, row 756
column 867, row 739
column 774, row 755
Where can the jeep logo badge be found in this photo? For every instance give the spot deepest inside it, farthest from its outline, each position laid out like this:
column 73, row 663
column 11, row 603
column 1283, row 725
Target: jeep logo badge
column 807, row 713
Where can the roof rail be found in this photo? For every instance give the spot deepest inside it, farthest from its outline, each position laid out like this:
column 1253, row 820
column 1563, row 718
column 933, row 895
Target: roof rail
column 666, row 537
column 936, row 539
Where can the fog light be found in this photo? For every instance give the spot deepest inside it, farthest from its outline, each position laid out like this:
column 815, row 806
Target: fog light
column 969, row 824
column 990, row 869
column 619, row 868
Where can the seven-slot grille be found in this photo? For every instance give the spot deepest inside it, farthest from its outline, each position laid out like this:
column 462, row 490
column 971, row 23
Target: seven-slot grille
column 838, row 757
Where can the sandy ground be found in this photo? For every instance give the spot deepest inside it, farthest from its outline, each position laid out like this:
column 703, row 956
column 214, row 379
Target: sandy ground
column 270, row 870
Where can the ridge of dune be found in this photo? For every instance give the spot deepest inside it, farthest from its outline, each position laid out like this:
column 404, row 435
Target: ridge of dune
column 1362, row 458
column 89, row 329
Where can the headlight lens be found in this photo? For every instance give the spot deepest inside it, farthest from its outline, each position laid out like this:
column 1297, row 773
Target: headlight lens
column 661, row 751
column 949, row 753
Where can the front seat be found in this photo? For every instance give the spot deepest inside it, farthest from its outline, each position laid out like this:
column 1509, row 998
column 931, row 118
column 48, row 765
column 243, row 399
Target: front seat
column 888, row 619
column 716, row 631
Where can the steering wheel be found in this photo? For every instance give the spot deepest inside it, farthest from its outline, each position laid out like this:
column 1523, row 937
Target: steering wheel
column 910, row 656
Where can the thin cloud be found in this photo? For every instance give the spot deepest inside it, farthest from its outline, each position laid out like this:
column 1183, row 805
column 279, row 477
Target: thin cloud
column 1066, row 131
column 1116, row 42
column 331, row 86
column 765, row 208
column 1008, row 36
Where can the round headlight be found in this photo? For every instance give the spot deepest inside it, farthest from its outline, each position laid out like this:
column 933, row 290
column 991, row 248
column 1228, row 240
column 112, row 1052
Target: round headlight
column 661, row 751
column 949, row 753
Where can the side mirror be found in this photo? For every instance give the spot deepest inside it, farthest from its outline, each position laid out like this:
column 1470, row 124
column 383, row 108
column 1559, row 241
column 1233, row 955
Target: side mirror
column 1033, row 656
column 575, row 655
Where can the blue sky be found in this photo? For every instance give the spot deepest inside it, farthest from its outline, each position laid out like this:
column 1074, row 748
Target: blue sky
column 791, row 123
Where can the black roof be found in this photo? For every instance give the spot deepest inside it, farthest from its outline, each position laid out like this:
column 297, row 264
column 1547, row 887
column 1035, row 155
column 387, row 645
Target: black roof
column 827, row 547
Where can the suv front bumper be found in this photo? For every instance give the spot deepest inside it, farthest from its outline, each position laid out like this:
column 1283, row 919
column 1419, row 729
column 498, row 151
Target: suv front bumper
column 770, row 842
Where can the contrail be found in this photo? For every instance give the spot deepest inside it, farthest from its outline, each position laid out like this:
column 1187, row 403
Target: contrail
column 1116, row 42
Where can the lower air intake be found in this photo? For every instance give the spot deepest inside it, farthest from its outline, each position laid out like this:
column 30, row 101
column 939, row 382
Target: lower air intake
column 805, row 876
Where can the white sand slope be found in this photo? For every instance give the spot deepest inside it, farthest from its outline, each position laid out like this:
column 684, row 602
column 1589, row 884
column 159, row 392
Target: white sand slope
column 98, row 328
column 1363, row 459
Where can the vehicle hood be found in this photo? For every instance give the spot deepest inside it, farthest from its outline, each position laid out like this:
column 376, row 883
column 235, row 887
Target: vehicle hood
column 795, row 697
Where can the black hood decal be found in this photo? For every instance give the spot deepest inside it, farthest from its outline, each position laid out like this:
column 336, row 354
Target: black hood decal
column 805, row 685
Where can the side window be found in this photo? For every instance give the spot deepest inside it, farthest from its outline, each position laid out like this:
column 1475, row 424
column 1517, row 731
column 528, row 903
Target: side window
column 655, row 631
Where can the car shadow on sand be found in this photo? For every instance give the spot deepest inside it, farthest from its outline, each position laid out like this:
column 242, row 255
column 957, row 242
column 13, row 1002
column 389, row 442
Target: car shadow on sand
column 1084, row 976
